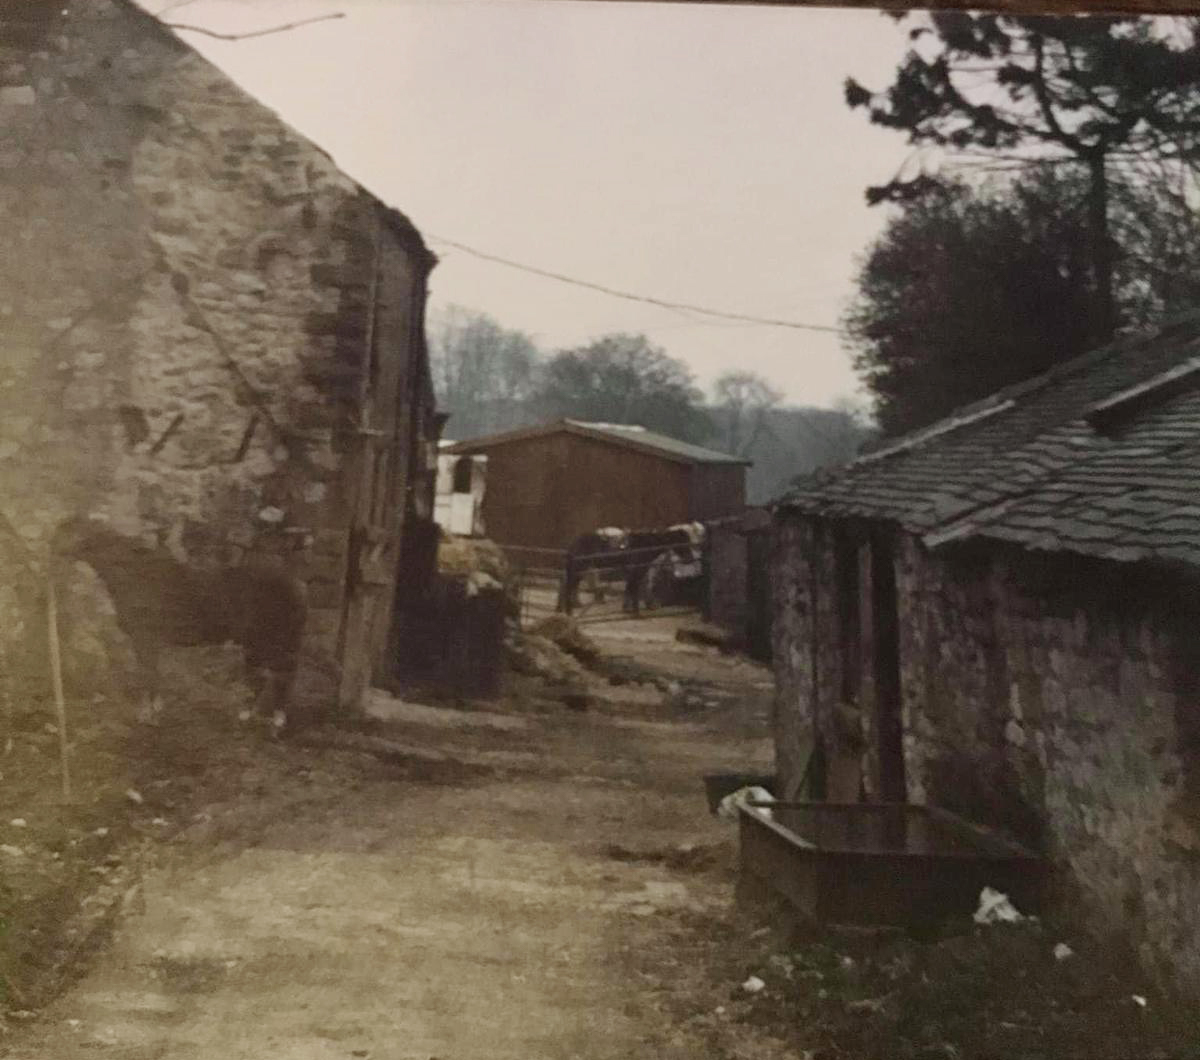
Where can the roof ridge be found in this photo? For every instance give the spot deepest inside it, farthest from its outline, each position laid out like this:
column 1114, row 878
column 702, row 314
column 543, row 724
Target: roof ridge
column 616, row 434
column 1008, row 396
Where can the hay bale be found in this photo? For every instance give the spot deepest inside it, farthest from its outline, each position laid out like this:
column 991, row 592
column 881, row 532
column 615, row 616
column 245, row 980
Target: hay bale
column 482, row 566
column 464, row 556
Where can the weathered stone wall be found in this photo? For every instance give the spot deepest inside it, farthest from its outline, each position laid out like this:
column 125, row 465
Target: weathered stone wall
column 186, row 308
column 737, row 593
column 727, row 559
column 806, row 675
column 1052, row 697
column 1057, row 698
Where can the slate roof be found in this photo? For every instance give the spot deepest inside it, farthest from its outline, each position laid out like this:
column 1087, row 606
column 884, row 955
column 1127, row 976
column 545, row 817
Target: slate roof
column 627, row 435
column 1100, row 456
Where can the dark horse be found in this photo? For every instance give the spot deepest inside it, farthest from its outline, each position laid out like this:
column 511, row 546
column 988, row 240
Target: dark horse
column 632, row 555
column 597, row 552
column 649, row 551
column 160, row 601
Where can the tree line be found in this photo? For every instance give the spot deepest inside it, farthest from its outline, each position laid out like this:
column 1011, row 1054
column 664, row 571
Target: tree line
column 1049, row 204
column 490, row 378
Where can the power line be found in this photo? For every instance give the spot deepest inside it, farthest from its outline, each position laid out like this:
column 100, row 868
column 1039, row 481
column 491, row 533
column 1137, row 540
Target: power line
column 629, row 296
column 217, row 35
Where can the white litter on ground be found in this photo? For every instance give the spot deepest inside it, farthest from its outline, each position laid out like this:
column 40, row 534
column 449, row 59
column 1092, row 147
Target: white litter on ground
column 1062, row 951
column 728, row 806
column 753, row 985
column 1138, row 1000
column 995, row 908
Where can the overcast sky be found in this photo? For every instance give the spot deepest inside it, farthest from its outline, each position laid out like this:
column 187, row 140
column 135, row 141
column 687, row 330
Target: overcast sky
column 698, row 154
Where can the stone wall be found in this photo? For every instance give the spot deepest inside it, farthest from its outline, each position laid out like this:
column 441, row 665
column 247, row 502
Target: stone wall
column 186, row 311
column 728, row 554
column 800, row 709
column 736, row 592
column 1053, row 697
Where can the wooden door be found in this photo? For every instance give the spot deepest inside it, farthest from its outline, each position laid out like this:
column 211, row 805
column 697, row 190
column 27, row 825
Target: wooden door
column 374, row 541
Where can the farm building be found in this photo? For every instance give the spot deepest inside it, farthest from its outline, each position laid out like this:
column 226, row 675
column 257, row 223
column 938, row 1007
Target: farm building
column 998, row 615
column 549, row 484
column 213, row 338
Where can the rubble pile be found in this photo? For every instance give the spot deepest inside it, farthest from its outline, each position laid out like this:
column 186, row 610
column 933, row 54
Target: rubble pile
column 564, row 631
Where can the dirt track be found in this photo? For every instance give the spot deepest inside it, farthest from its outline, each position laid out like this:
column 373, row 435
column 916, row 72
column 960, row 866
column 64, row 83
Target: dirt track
column 532, row 884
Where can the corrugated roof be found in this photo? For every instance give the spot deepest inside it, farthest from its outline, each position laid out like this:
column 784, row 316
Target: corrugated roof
column 628, row 435
column 1035, row 465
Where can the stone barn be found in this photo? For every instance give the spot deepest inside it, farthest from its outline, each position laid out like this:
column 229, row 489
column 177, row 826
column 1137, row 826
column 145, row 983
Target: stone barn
column 212, row 337
column 549, row 484
column 999, row 615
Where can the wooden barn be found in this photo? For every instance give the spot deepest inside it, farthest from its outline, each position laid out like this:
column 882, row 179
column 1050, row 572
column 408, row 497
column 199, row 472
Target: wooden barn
column 551, row 483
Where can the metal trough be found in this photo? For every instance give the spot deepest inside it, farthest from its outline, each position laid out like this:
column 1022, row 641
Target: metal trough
column 881, row 863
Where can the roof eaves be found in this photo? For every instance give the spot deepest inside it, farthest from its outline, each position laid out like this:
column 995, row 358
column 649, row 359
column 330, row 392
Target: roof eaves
column 589, row 431
column 518, row 434
column 408, row 233
column 631, row 436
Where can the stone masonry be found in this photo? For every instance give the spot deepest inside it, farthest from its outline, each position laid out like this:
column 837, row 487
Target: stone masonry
column 1051, row 696
column 211, row 336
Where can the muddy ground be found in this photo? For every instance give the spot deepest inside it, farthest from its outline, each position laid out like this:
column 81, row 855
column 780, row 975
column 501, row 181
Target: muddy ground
column 535, row 878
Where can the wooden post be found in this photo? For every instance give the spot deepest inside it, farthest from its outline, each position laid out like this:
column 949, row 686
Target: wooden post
column 60, row 705
column 6, row 694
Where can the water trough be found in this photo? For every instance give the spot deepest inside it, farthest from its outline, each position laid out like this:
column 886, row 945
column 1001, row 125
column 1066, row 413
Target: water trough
column 881, row 863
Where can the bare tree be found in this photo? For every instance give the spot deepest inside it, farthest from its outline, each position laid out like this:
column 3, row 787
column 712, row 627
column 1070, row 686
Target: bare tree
column 742, row 400
column 484, row 373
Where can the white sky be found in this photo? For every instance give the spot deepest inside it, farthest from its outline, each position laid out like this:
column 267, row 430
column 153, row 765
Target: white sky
column 699, row 154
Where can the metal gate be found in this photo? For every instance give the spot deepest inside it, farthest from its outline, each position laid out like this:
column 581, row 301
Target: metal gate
column 537, row 574
column 606, row 586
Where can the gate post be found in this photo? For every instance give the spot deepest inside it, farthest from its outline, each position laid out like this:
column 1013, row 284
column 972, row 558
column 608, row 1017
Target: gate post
column 565, row 603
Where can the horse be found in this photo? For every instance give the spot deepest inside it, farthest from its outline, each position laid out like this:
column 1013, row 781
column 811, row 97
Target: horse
column 160, row 601
column 656, row 557
column 595, row 553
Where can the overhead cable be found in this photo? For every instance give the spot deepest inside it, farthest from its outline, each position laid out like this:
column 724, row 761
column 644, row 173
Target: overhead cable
column 629, row 296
